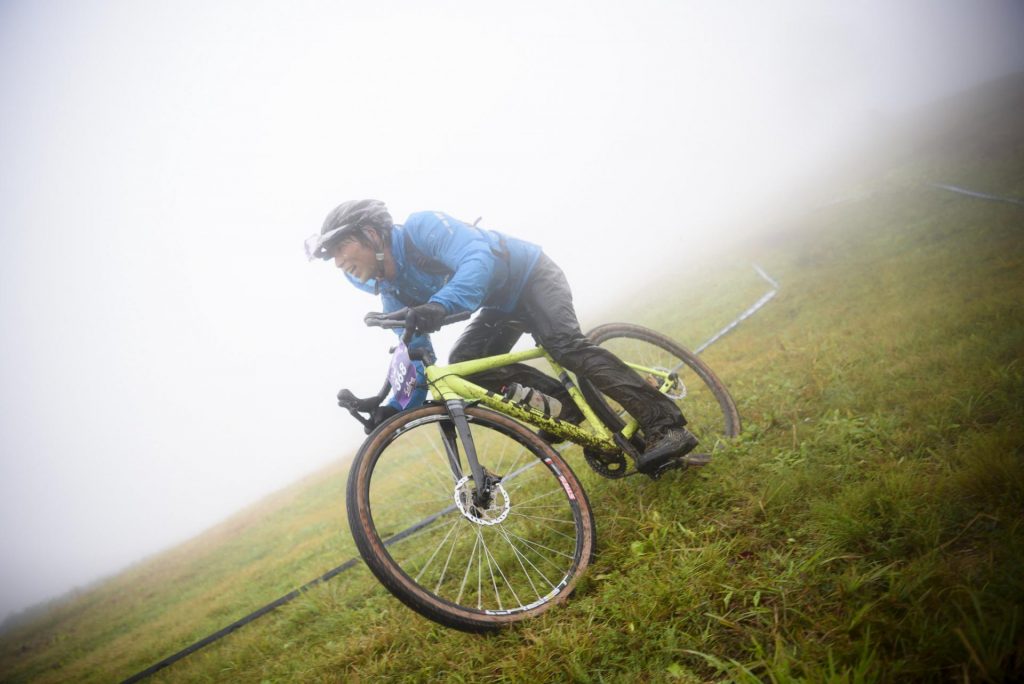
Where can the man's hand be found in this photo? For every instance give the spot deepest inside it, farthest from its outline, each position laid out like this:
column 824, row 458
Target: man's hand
column 426, row 318
column 347, row 400
column 378, row 412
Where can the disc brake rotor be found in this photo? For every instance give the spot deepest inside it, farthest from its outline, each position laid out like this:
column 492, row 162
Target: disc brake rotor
column 495, row 513
column 675, row 390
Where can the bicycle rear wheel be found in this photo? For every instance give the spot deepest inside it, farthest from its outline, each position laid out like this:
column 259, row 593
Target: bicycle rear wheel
column 703, row 399
column 473, row 569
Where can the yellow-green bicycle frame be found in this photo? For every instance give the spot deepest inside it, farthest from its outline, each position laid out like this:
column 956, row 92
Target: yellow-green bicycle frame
column 449, row 383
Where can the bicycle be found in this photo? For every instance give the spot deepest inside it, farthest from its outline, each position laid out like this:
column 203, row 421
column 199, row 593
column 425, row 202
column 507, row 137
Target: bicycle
column 483, row 536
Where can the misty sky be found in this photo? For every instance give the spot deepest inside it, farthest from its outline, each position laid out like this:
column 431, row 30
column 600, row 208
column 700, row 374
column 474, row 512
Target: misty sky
column 167, row 353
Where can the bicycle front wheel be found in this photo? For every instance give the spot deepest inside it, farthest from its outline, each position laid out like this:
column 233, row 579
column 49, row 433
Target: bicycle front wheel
column 465, row 566
column 703, row 399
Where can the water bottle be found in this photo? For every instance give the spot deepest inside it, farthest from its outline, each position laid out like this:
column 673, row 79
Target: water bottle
column 527, row 396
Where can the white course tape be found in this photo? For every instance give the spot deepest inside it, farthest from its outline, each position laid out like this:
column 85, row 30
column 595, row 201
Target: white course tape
column 746, row 314
column 974, row 193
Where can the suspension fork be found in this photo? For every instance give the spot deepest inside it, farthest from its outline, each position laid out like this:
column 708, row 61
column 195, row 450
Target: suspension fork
column 482, row 490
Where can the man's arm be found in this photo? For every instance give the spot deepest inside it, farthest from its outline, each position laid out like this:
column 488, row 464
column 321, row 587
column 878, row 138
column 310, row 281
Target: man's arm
column 463, row 249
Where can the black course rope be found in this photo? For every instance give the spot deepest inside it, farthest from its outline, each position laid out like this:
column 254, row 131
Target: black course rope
column 239, row 623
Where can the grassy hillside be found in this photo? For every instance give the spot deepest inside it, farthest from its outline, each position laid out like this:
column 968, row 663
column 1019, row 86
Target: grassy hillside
column 866, row 526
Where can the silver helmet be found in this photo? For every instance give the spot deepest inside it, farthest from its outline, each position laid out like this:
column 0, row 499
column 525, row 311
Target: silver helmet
column 348, row 218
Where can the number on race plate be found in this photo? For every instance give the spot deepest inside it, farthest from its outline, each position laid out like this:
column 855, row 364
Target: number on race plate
column 402, row 375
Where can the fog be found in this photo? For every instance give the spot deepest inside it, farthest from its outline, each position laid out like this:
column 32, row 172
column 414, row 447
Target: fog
column 168, row 355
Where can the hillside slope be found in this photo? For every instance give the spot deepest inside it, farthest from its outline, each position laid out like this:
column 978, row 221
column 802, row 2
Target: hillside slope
column 866, row 525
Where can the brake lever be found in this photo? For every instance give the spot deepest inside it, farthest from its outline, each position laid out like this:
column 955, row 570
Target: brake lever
column 347, row 400
column 353, row 404
column 358, row 416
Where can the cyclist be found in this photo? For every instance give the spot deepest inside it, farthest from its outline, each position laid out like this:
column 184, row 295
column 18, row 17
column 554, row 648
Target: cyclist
column 438, row 266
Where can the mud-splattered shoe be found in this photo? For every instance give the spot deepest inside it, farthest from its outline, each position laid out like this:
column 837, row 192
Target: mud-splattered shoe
column 677, row 441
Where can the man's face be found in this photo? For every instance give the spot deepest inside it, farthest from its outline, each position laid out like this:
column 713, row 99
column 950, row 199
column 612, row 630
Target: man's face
column 356, row 259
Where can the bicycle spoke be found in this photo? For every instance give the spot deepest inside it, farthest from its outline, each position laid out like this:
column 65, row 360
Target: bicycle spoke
column 448, row 560
column 480, row 581
column 503, row 577
column 553, row 492
column 541, row 518
column 490, row 569
column 469, row 566
column 505, row 446
column 430, row 560
column 535, row 546
column 438, row 474
column 519, row 556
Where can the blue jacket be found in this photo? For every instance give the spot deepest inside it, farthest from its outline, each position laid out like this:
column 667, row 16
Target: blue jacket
column 460, row 266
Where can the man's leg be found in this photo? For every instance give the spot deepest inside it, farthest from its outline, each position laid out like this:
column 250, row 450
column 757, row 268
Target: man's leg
column 493, row 332
column 547, row 303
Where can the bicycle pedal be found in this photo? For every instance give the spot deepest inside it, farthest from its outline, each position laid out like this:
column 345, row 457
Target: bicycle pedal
column 696, row 460
column 681, row 462
column 665, row 467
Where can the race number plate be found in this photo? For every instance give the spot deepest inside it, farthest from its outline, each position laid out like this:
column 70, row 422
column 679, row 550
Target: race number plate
column 402, row 375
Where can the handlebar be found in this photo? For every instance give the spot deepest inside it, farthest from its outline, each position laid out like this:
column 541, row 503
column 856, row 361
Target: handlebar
column 397, row 319
column 401, row 319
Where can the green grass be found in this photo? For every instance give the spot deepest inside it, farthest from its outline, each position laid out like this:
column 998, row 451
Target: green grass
column 866, row 526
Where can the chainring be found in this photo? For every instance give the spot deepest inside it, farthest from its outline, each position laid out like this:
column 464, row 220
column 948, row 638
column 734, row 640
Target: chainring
column 612, row 466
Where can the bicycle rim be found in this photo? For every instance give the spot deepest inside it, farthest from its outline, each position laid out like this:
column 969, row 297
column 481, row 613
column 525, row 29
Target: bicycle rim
column 463, row 566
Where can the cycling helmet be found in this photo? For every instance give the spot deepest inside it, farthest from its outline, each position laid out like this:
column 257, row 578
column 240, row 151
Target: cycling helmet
column 346, row 219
